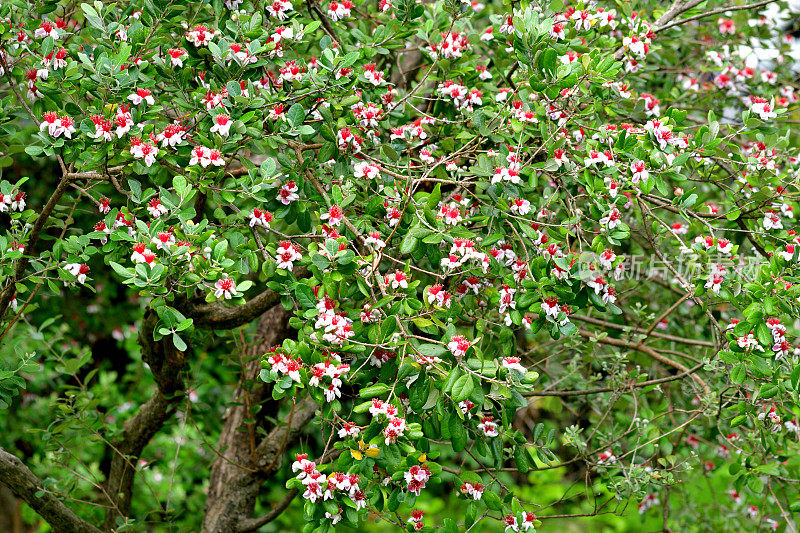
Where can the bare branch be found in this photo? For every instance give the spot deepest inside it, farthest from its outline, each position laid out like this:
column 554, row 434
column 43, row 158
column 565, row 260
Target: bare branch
column 167, row 364
column 663, row 26
column 599, row 390
column 649, row 351
column 25, row 485
column 654, row 334
column 254, row 523
column 275, row 443
column 219, row 316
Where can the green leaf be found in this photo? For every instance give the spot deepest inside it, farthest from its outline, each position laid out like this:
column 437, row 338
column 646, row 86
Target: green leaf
column 389, row 153
column 795, row 377
column 234, row 89
column 763, row 334
column 178, row 342
column 296, row 115
column 548, row 61
column 219, row 250
column 304, row 295
column 738, row 420
column 374, row 390
column 458, row 433
column 392, row 455
column 521, row 459
column 738, row 374
column 320, row 261
column 349, row 59
column 47, row 45
column 121, row 270
column 137, row 33
column 409, row 244
column 422, row 322
column 767, row 391
column 89, row 11
column 430, row 350
column 492, row 501
column 269, row 168
column 462, row 388
column 434, row 197
column 755, row 484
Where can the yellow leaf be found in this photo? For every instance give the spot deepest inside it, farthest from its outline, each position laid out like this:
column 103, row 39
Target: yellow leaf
column 422, row 458
column 372, row 451
column 356, row 455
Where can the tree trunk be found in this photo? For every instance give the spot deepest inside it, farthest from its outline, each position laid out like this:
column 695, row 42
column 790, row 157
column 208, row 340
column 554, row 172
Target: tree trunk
column 10, row 518
column 166, row 363
column 235, row 480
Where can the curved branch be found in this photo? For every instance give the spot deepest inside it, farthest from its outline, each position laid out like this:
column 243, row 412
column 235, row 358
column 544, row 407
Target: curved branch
column 167, row 365
column 252, row 524
column 33, row 240
column 243, row 465
column 712, row 13
column 677, row 7
column 274, row 444
column 25, row 485
column 648, row 351
column 219, row 316
column 599, row 390
column 634, row 329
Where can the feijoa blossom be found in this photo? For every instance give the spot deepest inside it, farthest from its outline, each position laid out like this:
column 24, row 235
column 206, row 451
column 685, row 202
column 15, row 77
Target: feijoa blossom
column 78, row 270
column 334, row 216
column 224, row 288
column 222, row 124
column 286, row 255
column 458, row 345
column 141, row 95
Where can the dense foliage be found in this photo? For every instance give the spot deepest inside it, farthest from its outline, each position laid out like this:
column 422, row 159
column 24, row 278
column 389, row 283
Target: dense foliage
column 399, row 265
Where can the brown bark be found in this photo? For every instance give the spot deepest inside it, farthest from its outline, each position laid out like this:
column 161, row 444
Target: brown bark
column 10, row 518
column 244, row 464
column 166, row 363
column 407, row 68
column 218, row 315
column 25, row 486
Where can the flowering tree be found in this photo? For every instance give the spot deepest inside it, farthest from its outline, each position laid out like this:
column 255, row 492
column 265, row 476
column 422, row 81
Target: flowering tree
column 375, row 253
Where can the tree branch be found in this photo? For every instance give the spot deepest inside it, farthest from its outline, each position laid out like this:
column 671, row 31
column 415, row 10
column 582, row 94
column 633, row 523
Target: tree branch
column 634, row 329
column 599, row 390
column 251, row 524
column 25, row 485
column 30, row 247
column 674, row 10
column 8, row 293
column 274, row 444
column 219, row 316
column 241, row 468
column 167, row 364
column 649, row 351
column 713, row 12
